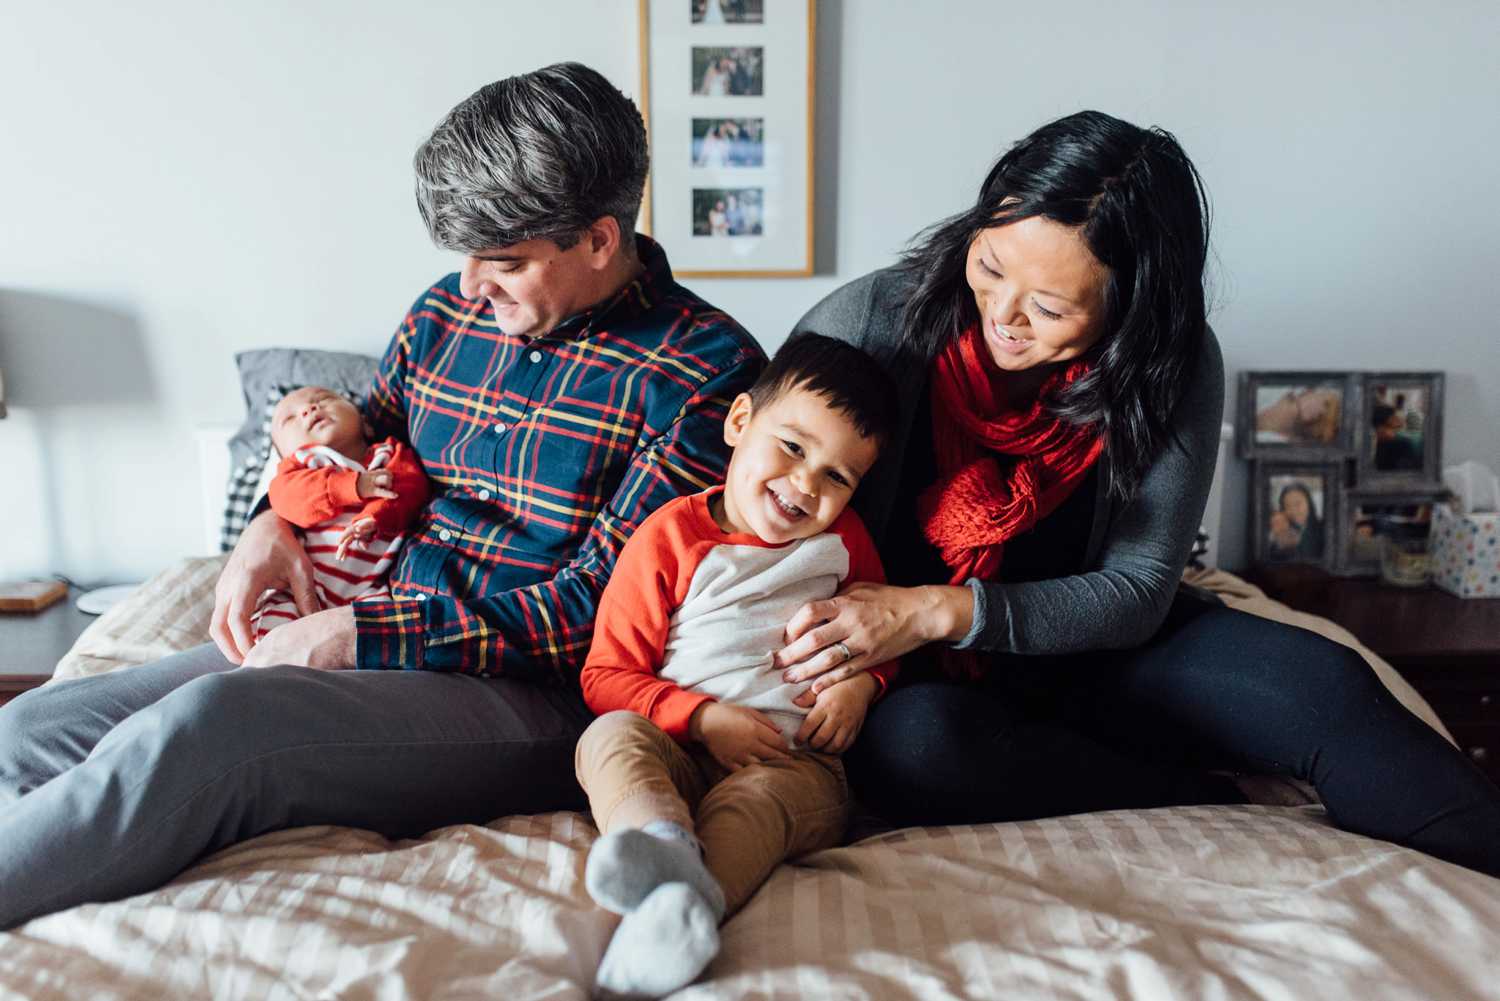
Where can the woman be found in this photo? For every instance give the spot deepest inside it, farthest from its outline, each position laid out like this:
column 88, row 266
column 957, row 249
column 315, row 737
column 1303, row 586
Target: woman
column 1296, row 531
column 715, row 81
column 1061, row 400
column 713, row 148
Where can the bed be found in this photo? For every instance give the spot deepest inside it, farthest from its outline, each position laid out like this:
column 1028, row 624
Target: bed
column 1260, row 901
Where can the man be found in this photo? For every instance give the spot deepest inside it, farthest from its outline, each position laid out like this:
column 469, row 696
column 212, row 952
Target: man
column 557, row 390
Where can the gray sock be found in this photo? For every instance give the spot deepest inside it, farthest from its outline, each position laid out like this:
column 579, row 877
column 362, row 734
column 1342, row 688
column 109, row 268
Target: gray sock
column 660, row 946
column 624, row 867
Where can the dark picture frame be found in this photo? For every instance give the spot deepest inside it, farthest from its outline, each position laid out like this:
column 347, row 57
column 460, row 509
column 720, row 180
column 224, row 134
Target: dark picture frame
column 1366, row 517
column 1297, row 416
column 1286, row 540
column 1393, row 456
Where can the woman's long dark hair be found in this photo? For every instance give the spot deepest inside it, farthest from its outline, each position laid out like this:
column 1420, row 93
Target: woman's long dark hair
column 1142, row 210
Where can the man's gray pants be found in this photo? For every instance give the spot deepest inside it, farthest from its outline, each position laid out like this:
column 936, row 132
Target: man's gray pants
column 112, row 785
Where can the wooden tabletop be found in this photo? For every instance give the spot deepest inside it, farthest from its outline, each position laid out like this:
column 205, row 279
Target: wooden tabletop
column 31, row 643
column 1399, row 623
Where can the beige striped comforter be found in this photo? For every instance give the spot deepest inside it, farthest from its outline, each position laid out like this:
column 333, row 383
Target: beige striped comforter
column 1199, row 902
column 1202, row 902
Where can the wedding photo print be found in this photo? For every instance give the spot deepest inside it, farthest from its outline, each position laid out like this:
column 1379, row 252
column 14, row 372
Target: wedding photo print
column 1295, row 415
column 732, row 154
column 1402, row 427
column 1290, row 513
column 727, row 211
column 729, row 142
column 720, row 71
column 728, row 11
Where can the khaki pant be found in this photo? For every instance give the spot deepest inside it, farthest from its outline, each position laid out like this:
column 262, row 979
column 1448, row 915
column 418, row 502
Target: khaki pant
column 749, row 821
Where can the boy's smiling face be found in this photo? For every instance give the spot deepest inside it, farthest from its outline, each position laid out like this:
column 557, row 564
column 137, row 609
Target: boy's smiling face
column 796, row 463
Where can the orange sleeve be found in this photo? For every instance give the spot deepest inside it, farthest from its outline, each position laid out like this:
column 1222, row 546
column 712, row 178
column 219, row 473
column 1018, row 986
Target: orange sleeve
column 393, row 515
column 864, row 568
column 647, row 585
column 306, row 497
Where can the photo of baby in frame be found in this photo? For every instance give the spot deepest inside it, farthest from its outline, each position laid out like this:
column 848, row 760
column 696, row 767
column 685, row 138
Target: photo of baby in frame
column 1291, row 513
column 1296, row 415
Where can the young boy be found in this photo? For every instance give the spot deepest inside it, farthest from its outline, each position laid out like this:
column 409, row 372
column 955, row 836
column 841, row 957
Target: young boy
column 352, row 500
column 692, row 769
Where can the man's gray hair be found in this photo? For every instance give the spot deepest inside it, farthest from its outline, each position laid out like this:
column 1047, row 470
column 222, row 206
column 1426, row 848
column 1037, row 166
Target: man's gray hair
column 542, row 155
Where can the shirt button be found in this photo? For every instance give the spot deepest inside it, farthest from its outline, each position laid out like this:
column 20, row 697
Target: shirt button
column 421, row 596
column 445, row 535
column 502, row 427
column 535, row 357
column 484, row 495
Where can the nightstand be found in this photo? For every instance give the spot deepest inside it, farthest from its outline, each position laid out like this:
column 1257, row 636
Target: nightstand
column 1447, row 647
column 31, row 644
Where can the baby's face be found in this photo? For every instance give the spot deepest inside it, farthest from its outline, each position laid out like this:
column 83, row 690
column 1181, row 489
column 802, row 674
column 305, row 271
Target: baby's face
column 796, row 463
column 313, row 415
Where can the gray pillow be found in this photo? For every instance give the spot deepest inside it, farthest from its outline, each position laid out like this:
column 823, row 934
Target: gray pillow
column 266, row 375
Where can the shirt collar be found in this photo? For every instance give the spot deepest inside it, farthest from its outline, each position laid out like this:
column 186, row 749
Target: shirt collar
column 636, row 297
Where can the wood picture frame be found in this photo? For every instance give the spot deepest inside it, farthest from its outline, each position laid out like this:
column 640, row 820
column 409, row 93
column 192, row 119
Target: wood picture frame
column 1364, row 518
column 1297, row 416
column 727, row 92
column 1399, row 444
column 1288, row 539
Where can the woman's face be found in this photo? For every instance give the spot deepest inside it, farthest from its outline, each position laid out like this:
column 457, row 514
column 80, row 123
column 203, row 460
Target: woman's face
column 1296, row 507
column 1039, row 291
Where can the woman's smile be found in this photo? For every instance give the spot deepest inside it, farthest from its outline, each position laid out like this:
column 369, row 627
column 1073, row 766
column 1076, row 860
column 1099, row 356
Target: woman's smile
column 1002, row 339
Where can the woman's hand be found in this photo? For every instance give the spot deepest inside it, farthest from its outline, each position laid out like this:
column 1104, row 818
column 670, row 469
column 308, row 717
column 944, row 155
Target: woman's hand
column 736, row 736
column 267, row 557
column 875, row 623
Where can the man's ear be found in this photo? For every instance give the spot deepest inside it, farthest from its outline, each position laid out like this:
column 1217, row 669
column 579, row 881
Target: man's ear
column 604, row 239
column 740, row 412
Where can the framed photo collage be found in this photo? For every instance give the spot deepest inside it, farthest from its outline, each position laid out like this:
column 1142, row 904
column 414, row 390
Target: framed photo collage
column 727, row 89
column 1345, row 466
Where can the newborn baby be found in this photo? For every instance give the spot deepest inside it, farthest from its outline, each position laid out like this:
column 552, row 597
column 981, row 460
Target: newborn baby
column 352, row 500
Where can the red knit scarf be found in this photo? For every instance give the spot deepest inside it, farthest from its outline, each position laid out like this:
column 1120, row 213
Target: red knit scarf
column 1000, row 471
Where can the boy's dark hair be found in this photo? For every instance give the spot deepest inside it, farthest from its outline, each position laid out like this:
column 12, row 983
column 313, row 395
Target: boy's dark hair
column 850, row 380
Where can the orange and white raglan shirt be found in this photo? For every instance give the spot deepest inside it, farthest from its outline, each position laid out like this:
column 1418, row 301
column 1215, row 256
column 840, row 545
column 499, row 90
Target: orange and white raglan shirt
column 316, row 489
column 693, row 613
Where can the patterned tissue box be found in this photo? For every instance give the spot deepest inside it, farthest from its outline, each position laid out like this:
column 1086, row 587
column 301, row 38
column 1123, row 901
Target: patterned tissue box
column 1466, row 552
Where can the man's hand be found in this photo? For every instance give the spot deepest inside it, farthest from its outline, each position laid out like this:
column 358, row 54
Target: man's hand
column 324, row 640
column 837, row 714
column 362, row 530
column 736, row 736
column 376, row 483
column 267, row 557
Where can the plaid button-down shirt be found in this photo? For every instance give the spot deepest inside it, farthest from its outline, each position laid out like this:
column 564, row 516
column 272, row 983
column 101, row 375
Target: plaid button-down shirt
column 544, row 455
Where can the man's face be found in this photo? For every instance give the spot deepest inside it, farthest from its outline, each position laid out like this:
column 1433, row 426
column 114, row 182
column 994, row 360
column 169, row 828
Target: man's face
column 532, row 286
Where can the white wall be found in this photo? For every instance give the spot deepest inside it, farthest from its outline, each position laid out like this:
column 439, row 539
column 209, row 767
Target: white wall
column 199, row 178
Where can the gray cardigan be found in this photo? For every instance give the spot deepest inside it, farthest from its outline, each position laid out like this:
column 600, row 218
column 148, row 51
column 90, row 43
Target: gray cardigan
column 1136, row 551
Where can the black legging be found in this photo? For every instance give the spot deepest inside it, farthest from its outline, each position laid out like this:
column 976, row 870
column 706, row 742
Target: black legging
column 1043, row 736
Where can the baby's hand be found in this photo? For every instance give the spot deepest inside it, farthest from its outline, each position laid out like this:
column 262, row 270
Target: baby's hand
column 358, row 531
column 376, row 483
column 736, row 736
column 838, row 713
